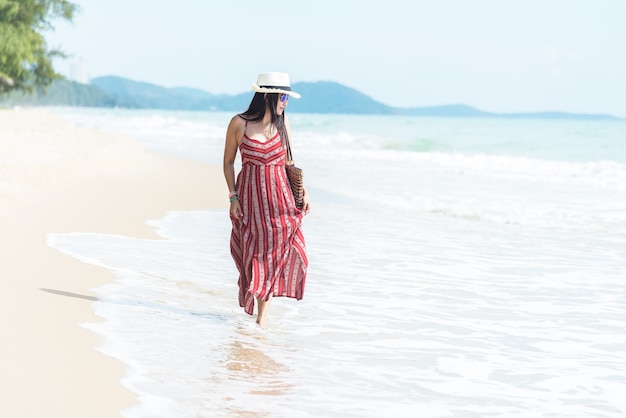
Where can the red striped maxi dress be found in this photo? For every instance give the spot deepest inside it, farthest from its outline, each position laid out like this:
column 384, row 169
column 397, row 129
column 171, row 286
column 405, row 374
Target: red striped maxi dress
column 267, row 244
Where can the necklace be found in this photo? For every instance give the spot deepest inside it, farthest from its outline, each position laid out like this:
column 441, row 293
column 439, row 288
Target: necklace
column 268, row 130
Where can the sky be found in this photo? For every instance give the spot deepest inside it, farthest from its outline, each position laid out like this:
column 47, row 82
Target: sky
column 495, row 55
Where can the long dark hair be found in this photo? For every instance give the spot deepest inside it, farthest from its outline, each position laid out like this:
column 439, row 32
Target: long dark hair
column 256, row 112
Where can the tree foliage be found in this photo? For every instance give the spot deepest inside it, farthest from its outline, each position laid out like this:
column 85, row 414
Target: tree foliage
column 25, row 60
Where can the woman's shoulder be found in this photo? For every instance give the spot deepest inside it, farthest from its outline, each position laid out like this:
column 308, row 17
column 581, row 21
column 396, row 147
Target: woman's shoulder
column 236, row 128
column 237, row 124
column 237, row 120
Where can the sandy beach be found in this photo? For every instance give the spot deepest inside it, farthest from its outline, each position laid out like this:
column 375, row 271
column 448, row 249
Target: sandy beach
column 59, row 178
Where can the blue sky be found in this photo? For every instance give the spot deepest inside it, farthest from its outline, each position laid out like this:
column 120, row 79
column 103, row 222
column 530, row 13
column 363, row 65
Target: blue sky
column 502, row 56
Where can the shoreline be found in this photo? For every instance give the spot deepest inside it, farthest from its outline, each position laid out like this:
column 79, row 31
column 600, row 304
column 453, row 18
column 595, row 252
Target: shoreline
column 56, row 177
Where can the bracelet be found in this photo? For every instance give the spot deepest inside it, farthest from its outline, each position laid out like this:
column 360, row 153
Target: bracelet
column 231, row 194
column 232, row 199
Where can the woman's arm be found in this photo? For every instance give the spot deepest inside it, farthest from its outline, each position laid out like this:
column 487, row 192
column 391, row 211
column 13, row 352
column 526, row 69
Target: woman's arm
column 233, row 135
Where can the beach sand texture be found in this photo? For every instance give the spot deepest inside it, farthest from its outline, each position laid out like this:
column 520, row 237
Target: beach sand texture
column 59, row 178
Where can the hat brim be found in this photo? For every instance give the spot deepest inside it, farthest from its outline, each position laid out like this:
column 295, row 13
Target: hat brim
column 260, row 89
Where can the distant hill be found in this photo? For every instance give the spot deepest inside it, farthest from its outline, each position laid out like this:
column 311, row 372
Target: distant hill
column 331, row 97
column 317, row 97
column 136, row 94
column 63, row 93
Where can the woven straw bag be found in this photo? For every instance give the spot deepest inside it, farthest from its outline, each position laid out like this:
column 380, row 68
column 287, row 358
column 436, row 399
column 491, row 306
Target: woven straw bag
column 296, row 178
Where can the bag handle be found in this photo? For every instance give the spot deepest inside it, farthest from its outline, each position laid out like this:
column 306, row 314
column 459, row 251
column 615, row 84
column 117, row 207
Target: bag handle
column 289, row 155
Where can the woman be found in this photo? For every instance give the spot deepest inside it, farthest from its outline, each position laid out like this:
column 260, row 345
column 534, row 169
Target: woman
column 266, row 242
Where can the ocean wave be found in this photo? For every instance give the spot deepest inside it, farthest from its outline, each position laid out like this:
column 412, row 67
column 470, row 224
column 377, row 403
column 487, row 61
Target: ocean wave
column 498, row 189
column 605, row 173
column 505, row 210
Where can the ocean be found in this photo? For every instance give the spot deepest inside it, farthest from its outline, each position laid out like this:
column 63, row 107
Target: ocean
column 459, row 267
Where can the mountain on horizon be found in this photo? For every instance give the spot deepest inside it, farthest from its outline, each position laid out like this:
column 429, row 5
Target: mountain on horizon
column 317, row 97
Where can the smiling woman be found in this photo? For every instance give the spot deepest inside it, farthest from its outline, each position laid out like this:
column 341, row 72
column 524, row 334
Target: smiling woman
column 267, row 243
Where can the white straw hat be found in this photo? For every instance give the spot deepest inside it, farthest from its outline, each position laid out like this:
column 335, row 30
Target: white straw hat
column 274, row 83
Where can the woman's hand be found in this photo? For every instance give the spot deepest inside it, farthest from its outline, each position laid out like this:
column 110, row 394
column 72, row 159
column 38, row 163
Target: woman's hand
column 306, row 205
column 235, row 209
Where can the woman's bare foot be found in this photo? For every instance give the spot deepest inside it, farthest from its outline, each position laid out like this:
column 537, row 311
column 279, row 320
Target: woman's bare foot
column 264, row 306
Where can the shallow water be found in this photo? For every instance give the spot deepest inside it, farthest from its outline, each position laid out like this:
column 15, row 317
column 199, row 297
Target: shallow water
column 468, row 279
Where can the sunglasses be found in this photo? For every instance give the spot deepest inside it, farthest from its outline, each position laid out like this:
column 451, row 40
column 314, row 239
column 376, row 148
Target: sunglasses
column 284, row 98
